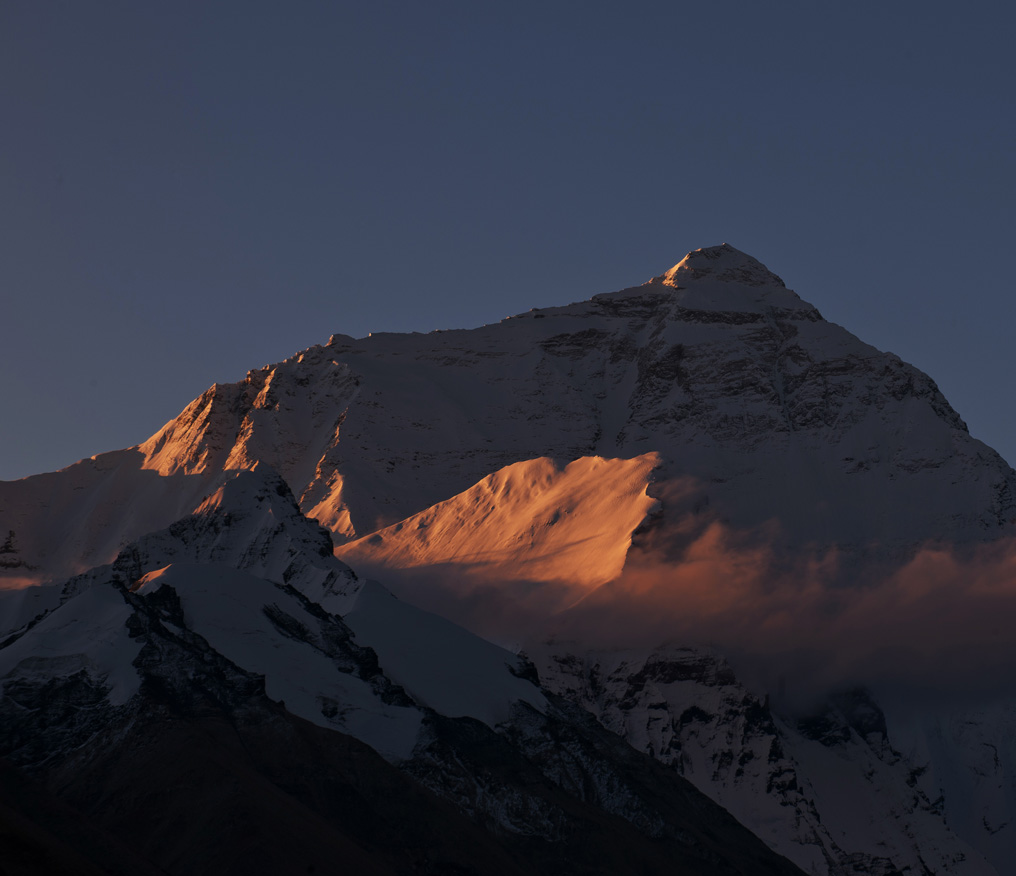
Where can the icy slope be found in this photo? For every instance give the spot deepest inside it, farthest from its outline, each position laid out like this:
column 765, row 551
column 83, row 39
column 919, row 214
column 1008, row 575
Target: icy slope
column 270, row 632
column 537, row 535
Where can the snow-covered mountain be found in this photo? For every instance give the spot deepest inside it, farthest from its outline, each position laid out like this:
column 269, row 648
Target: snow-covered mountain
column 828, row 789
column 765, row 412
column 514, row 479
column 217, row 644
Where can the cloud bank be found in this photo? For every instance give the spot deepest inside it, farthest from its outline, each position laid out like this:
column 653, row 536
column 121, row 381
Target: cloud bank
column 943, row 620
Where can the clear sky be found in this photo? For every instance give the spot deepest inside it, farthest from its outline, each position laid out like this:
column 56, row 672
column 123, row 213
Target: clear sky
column 192, row 189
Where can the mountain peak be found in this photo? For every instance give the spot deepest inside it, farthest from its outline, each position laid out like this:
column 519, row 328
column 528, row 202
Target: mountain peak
column 722, row 263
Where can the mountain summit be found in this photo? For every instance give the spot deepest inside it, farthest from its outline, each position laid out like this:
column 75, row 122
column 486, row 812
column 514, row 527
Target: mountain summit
column 722, row 263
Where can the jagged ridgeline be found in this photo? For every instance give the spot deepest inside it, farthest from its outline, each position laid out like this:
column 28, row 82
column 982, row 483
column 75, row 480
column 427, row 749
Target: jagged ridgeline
column 763, row 409
column 540, row 482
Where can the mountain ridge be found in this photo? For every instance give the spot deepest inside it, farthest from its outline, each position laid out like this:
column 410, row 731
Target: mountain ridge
column 368, row 432
column 335, row 735
column 706, row 437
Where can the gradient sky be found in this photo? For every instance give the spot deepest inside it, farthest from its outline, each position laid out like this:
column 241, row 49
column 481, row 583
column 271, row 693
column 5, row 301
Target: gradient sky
column 190, row 190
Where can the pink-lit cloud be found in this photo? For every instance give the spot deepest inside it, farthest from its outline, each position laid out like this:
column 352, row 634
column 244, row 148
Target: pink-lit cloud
column 945, row 619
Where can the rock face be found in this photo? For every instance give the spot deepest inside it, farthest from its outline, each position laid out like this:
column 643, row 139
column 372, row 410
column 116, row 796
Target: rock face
column 191, row 601
column 828, row 790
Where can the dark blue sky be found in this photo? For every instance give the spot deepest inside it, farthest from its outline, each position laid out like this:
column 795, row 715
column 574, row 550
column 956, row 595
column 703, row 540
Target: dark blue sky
column 190, row 190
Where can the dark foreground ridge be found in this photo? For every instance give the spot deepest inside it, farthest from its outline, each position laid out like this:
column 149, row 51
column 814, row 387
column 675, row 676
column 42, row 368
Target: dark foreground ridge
column 201, row 772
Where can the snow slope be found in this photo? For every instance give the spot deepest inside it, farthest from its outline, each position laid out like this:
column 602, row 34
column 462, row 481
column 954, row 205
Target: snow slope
column 541, row 534
column 966, row 754
column 442, row 665
column 829, row 790
column 257, row 582
column 267, row 631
